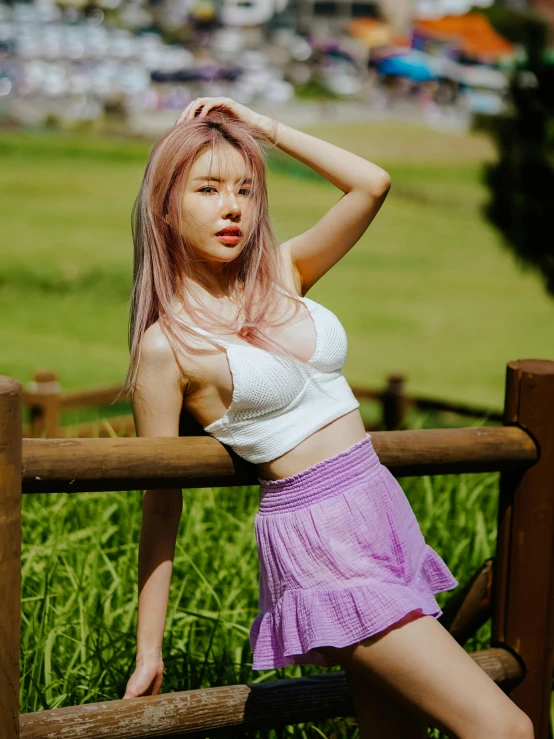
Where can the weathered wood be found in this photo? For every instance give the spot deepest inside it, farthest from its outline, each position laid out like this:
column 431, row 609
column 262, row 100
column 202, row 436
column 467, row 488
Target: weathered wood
column 447, row 451
column 394, row 402
column 10, row 554
column 47, row 402
column 212, row 711
column 471, row 606
column 43, row 398
column 366, row 393
column 85, row 398
column 424, row 403
column 74, row 465
column 461, row 409
column 502, row 666
column 524, row 572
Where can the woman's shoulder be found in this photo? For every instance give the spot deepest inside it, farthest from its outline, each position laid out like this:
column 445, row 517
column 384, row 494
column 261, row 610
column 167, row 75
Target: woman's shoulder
column 166, row 360
column 159, row 357
column 155, row 345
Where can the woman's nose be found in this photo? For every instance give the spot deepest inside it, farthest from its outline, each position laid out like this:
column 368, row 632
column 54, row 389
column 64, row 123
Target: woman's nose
column 231, row 206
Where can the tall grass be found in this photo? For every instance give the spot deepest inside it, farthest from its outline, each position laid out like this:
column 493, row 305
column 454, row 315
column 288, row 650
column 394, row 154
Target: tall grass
column 79, row 588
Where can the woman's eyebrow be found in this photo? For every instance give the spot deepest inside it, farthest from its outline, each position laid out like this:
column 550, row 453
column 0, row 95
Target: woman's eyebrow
column 246, row 181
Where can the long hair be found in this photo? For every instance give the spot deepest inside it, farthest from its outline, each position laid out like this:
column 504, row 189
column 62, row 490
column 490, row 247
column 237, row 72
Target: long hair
column 164, row 258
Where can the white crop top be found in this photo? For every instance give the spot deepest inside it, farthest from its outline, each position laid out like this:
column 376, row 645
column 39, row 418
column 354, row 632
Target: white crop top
column 278, row 402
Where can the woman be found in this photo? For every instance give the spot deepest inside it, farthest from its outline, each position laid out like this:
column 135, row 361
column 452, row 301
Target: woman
column 221, row 327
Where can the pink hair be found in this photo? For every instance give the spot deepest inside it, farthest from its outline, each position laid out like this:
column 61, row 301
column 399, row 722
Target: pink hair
column 164, row 258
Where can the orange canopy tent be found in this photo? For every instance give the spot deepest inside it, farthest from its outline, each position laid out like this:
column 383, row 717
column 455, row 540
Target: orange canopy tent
column 375, row 33
column 471, row 33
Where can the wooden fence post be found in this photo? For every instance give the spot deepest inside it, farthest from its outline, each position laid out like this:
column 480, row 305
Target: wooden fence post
column 10, row 554
column 523, row 589
column 45, row 415
column 394, row 402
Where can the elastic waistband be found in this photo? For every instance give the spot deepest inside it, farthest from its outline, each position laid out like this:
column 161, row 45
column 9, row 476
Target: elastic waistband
column 332, row 476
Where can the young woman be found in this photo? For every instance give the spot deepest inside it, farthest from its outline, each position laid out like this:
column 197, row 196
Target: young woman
column 221, row 327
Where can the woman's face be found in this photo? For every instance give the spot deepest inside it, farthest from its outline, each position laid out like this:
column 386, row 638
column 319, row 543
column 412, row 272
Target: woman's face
column 217, row 205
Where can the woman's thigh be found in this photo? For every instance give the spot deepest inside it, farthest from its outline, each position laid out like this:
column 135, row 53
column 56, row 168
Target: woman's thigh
column 379, row 715
column 420, row 665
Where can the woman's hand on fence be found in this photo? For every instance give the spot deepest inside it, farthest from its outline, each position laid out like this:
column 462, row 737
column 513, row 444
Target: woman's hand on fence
column 200, row 107
column 145, row 680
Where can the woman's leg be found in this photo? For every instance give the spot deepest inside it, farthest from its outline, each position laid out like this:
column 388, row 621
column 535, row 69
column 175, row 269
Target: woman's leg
column 379, row 715
column 424, row 669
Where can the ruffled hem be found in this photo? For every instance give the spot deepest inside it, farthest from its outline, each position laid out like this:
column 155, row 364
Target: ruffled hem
column 303, row 620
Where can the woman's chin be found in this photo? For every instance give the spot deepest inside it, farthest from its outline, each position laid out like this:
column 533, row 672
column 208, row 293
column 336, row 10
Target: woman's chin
column 221, row 254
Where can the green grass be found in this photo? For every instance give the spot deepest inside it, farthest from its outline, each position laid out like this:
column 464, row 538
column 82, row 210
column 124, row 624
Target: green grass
column 429, row 290
column 79, row 588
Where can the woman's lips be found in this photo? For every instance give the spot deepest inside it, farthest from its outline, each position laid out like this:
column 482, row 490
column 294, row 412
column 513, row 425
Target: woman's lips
column 229, row 238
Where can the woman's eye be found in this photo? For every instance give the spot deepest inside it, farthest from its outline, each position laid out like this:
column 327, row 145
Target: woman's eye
column 208, row 188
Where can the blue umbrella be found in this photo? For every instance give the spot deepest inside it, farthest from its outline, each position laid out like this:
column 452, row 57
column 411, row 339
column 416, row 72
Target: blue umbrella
column 412, row 67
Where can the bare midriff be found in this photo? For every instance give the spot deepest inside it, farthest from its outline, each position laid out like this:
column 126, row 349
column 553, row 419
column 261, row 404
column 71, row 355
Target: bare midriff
column 328, row 441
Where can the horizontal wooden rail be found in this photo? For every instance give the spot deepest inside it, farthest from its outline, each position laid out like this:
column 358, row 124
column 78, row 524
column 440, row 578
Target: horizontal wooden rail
column 79, row 465
column 425, row 403
column 100, row 396
column 76, row 398
column 462, row 409
column 195, row 713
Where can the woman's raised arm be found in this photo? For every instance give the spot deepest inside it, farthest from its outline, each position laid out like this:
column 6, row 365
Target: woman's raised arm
column 364, row 184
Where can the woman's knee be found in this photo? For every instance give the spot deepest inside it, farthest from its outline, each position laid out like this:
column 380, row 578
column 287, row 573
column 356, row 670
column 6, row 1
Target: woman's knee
column 515, row 725
column 421, row 664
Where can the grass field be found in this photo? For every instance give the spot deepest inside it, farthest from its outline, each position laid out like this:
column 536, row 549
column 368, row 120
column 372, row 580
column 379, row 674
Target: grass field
column 429, row 290
column 79, row 589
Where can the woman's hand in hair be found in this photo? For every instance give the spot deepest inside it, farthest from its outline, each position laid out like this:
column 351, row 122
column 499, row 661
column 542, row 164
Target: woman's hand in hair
column 200, row 108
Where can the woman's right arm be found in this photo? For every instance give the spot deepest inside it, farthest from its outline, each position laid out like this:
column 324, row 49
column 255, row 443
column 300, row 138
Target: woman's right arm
column 157, row 405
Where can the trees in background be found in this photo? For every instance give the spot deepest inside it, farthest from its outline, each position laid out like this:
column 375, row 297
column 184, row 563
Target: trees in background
column 521, row 183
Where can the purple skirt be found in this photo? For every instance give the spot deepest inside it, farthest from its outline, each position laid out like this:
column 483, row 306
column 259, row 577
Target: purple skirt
column 341, row 556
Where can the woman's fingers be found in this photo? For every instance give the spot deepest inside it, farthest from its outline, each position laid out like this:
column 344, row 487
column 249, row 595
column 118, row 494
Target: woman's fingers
column 183, row 115
column 209, row 103
column 206, row 104
column 207, row 107
column 186, row 112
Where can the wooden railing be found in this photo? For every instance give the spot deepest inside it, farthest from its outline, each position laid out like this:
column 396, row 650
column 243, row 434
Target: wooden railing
column 46, row 402
column 515, row 588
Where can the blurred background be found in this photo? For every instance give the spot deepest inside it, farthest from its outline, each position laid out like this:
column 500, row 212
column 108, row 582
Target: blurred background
column 441, row 60
column 454, row 278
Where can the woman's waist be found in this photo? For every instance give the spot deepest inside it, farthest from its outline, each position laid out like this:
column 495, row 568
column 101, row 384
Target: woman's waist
column 325, row 442
column 337, row 474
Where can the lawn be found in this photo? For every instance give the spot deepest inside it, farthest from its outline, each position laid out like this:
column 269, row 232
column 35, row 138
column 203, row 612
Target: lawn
column 429, row 290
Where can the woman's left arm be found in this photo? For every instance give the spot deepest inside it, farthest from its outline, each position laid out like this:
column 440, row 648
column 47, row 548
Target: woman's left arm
column 365, row 187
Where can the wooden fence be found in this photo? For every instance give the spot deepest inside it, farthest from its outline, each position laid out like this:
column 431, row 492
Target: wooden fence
column 515, row 588
column 46, row 402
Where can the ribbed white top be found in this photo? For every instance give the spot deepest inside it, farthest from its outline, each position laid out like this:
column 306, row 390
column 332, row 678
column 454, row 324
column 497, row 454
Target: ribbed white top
column 278, row 402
